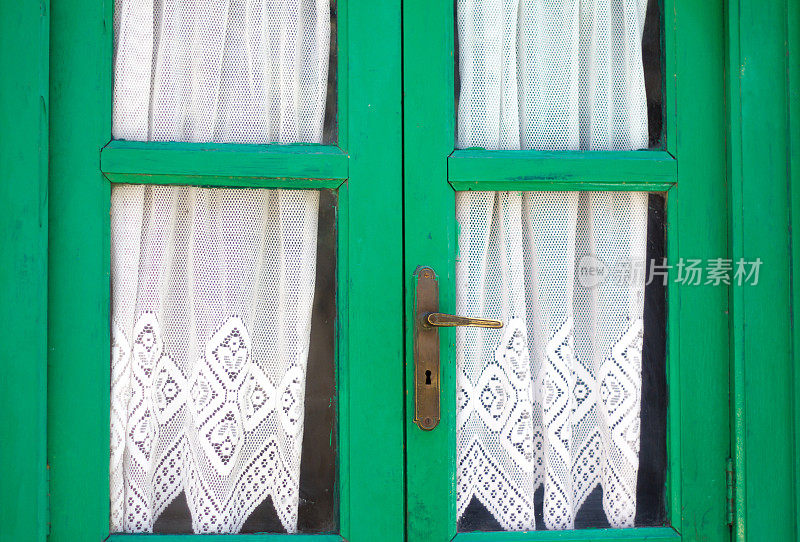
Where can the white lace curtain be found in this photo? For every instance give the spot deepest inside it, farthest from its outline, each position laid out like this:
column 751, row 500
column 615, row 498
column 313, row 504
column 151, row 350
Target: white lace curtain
column 554, row 397
column 212, row 289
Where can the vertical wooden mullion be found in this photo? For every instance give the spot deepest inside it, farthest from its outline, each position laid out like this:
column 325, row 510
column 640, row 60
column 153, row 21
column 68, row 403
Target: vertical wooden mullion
column 673, row 366
column 670, row 75
column 734, row 175
column 24, row 45
column 342, row 81
column 702, row 318
column 761, row 187
column 374, row 316
column 342, row 356
column 79, row 294
column 793, row 45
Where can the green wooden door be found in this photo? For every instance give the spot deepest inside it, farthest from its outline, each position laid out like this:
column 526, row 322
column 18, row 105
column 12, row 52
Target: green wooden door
column 363, row 168
column 56, row 294
column 687, row 168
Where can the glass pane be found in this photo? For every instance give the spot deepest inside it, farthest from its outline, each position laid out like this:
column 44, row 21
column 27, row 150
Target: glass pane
column 563, row 75
column 230, row 72
column 561, row 419
column 223, row 389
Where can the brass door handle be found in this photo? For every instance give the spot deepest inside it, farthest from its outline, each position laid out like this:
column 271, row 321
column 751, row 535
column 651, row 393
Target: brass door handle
column 439, row 319
column 427, row 322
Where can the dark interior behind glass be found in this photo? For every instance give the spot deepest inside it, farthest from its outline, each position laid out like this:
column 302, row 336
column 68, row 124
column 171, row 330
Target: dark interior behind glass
column 653, row 60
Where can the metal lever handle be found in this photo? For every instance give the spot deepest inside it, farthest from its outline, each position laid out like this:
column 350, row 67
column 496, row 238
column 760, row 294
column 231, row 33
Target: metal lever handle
column 439, row 319
column 426, row 345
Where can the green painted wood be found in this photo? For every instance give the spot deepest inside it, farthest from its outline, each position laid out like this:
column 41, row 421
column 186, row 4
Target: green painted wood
column 595, row 166
column 342, row 80
column 24, row 103
column 698, row 341
column 760, row 189
column 668, row 15
column 79, row 262
column 565, row 184
column 369, row 322
column 78, row 281
column 674, row 442
column 649, row 534
column 697, row 357
column 430, row 234
column 224, row 182
column 223, row 160
column 793, row 50
column 374, row 284
column 736, row 326
column 342, row 332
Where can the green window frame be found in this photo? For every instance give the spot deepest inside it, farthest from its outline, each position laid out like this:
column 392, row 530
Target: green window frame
column 763, row 101
column 735, row 80
column 690, row 170
column 364, row 168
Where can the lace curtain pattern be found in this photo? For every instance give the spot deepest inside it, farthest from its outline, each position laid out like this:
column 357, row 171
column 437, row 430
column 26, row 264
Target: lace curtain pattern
column 212, row 289
column 553, row 398
column 229, row 71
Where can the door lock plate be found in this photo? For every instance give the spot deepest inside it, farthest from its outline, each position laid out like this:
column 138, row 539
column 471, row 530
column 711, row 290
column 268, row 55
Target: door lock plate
column 426, row 350
column 427, row 321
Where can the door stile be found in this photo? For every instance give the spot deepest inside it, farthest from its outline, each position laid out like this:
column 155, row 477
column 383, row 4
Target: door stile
column 694, row 159
column 24, row 108
column 430, row 240
column 365, row 167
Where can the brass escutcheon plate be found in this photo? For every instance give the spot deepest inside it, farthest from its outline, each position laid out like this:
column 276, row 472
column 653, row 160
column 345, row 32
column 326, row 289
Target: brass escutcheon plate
column 426, row 350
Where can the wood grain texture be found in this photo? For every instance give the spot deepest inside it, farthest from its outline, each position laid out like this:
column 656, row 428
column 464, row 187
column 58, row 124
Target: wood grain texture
column 374, row 288
column 700, row 349
column 793, row 59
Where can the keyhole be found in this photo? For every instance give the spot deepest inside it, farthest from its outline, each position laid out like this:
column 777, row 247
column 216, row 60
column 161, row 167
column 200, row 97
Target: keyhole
column 427, row 378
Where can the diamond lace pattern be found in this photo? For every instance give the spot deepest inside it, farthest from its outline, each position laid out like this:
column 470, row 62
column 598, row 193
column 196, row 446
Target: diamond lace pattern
column 204, row 435
column 211, row 323
column 554, row 398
